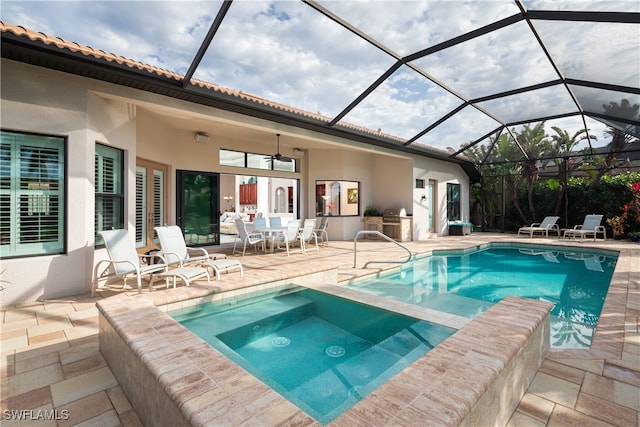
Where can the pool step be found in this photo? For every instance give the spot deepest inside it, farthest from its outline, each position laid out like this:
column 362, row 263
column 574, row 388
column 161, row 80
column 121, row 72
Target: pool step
column 363, row 368
column 456, row 304
column 252, row 322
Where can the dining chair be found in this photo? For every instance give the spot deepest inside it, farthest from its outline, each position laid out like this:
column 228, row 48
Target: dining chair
column 290, row 235
column 252, row 238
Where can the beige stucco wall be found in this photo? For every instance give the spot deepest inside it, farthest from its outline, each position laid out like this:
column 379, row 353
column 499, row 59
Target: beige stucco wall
column 54, row 103
column 442, row 173
column 40, row 101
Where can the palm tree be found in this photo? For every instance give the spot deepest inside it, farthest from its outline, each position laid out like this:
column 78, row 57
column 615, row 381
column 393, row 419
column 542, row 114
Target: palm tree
column 534, row 144
column 563, row 145
column 619, row 138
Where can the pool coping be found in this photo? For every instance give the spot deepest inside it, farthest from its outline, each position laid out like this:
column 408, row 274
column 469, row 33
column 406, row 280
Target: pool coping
column 170, row 375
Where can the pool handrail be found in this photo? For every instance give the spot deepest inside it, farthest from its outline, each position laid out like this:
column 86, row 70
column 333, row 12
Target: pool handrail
column 355, row 248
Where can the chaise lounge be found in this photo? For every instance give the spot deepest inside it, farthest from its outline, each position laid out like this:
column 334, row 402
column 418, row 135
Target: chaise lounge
column 176, row 251
column 590, row 227
column 547, row 224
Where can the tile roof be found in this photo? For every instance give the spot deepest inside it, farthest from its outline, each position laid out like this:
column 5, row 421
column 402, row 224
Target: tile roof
column 101, row 55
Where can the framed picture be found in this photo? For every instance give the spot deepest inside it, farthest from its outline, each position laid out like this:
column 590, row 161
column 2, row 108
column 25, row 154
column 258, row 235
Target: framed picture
column 352, row 195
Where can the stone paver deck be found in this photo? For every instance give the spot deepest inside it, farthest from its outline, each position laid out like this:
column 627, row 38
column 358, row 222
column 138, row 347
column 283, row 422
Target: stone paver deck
column 51, row 366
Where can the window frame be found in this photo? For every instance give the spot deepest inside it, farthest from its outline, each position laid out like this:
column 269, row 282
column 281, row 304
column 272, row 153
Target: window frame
column 256, row 161
column 337, row 198
column 105, row 151
column 453, row 206
column 14, row 209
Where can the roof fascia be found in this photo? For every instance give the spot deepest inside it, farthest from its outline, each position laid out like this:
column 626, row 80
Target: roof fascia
column 35, row 52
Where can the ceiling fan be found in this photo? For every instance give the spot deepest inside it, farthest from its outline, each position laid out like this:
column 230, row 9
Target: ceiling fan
column 279, row 157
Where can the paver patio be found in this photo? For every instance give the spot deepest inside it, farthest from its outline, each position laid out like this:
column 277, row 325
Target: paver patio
column 51, row 361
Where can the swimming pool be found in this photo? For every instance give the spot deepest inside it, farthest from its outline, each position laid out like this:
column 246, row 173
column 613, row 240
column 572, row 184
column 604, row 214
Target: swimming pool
column 467, row 283
column 322, row 352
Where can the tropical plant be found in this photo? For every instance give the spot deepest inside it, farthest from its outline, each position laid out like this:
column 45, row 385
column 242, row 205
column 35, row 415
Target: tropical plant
column 535, row 146
column 617, row 224
column 563, row 146
column 619, row 138
column 497, row 165
column 371, row 210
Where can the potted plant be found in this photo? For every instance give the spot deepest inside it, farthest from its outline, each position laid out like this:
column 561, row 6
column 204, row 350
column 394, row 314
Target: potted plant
column 371, row 211
column 634, row 236
column 617, row 225
column 372, row 220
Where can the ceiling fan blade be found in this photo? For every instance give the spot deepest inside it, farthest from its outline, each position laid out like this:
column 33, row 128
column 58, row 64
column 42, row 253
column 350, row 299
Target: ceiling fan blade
column 279, row 157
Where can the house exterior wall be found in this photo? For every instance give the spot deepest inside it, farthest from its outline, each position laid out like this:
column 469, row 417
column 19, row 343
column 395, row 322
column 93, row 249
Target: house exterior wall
column 87, row 112
column 40, row 101
column 442, row 173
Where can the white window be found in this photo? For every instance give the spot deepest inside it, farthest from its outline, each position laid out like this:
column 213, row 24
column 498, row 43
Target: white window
column 32, row 198
column 241, row 159
column 109, row 190
column 453, row 202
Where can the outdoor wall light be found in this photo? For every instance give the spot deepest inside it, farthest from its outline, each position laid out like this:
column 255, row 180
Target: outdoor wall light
column 202, row 137
column 423, row 198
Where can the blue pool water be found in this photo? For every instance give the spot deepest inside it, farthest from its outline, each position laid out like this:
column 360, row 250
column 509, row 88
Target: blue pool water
column 468, row 283
column 321, row 352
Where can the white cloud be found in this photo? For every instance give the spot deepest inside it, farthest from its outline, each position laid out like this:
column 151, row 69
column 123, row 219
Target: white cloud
column 287, row 52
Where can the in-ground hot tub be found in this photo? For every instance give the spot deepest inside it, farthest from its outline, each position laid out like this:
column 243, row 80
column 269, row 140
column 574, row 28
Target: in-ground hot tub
column 322, row 352
column 173, row 377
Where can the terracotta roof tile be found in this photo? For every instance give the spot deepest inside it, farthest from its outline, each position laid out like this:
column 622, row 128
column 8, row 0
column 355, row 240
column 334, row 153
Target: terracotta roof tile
column 74, row 47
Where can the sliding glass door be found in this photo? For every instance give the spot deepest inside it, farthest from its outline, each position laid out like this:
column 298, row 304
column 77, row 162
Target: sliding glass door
column 198, row 206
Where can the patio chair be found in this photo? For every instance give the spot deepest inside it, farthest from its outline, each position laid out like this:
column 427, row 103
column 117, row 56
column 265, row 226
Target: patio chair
column 260, row 223
column 248, row 238
column 220, row 266
column 124, row 260
column 590, row 227
column 175, row 250
column 548, row 223
column 290, row 235
column 275, row 221
column 321, row 231
column 307, row 234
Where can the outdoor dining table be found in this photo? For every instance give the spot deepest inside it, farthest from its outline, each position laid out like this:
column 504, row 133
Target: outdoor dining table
column 271, row 233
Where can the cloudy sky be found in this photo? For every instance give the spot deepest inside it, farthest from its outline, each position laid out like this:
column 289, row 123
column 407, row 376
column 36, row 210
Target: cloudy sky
column 288, row 52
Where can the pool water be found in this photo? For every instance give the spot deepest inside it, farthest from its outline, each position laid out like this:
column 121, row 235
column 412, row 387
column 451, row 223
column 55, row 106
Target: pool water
column 321, row 352
column 468, row 283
